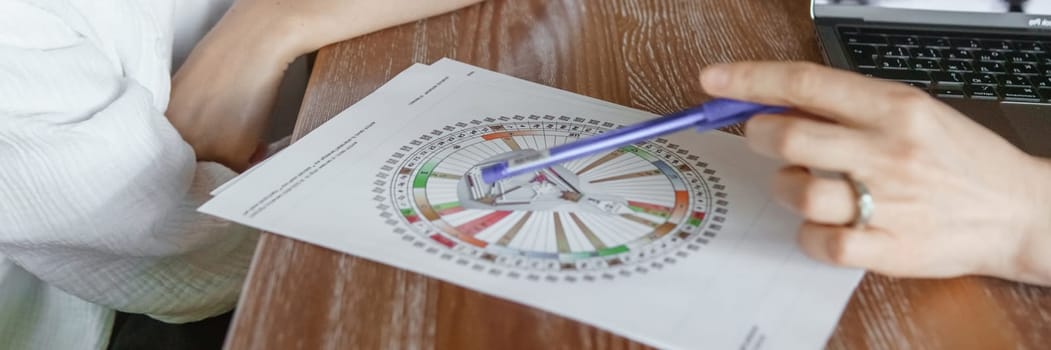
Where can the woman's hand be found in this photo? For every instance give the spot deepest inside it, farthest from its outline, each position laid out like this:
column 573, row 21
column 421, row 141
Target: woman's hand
column 951, row 197
column 223, row 94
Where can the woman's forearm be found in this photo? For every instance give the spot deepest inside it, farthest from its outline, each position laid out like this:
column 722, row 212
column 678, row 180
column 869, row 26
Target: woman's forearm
column 311, row 24
column 224, row 93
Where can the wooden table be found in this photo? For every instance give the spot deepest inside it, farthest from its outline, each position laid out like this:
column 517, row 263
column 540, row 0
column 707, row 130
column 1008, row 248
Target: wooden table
column 641, row 53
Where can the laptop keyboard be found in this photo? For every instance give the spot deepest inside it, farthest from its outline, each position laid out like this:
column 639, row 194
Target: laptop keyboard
column 954, row 65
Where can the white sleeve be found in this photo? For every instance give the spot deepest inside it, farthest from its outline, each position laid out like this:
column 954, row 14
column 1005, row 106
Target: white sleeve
column 98, row 192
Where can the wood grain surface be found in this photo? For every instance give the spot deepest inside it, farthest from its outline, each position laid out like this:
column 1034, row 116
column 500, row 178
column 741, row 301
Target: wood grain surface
column 641, row 53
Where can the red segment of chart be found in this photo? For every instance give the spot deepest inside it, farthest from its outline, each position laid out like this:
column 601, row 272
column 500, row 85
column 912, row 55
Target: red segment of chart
column 475, row 226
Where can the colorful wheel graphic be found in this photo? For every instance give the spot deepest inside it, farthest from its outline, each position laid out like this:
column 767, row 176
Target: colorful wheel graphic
column 629, row 211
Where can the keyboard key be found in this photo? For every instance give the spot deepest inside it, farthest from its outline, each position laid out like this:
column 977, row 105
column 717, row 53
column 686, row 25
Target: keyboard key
column 865, row 39
column 895, row 52
column 1042, row 82
column 1030, row 46
column 982, row 79
column 958, row 66
column 997, row 45
column 1022, row 57
column 1023, row 69
column 966, row 43
column 1017, row 80
column 899, row 75
column 925, row 65
column 898, row 40
column 982, row 92
column 863, row 56
column 927, row 53
column 934, row 42
column 992, row 68
column 865, row 62
column 956, row 54
column 894, row 63
column 1045, row 94
column 921, row 86
column 951, row 91
column 1024, row 94
column 1045, row 70
column 949, row 78
column 861, row 50
column 992, row 56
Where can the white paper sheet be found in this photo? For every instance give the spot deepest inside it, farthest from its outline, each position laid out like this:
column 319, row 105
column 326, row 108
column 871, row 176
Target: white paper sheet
column 675, row 242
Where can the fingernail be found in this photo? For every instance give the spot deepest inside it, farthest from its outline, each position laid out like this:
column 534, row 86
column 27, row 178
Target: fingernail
column 715, row 77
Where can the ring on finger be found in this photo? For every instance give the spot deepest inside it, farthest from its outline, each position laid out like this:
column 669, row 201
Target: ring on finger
column 864, row 202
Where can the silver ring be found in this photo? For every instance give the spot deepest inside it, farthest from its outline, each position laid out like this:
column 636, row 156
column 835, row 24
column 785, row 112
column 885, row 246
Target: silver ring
column 864, row 203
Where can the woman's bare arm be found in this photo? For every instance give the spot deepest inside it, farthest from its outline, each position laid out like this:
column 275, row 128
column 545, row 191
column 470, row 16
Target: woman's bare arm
column 224, row 92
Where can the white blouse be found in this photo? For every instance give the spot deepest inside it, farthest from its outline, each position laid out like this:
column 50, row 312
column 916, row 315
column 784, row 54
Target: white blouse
column 98, row 191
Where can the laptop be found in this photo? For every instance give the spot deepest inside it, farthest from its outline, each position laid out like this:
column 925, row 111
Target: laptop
column 989, row 59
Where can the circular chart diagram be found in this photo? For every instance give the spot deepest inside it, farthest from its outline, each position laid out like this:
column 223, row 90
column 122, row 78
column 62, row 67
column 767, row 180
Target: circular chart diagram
column 633, row 210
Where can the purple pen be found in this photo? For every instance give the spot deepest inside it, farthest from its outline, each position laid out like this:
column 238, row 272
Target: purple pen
column 711, row 115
